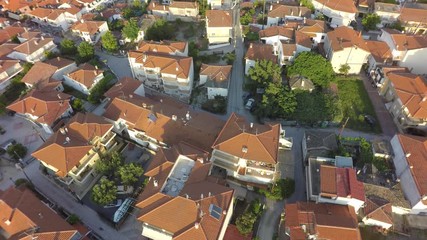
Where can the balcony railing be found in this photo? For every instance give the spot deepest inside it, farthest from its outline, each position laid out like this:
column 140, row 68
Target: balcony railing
column 107, row 139
column 261, row 165
column 86, row 160
column 259, row 173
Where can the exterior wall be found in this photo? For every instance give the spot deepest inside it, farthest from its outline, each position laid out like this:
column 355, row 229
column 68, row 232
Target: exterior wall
column 95, row 37
column 60, row 21
column 8, row 74
column 403, row 172
column 154, row 233
column 249, row 63
column 227, row 220
column 36, row 55
column 185, row 12
column 356, row 203
column 320, row 38
column 215, row 4
column 338, row 18
column 76, row 85
column 274, row 39
column 219, row 34
column 301, row 49
column 59, row 74
column 212, row 92
column 387, row 17
column 415, row 60
column 373, row 222
column 386, row 37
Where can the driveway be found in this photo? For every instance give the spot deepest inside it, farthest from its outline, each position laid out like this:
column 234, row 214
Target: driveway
column 118, row 65
column 385, row 120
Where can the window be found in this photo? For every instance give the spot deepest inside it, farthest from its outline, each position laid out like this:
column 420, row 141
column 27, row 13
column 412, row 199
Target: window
column 323, row 37
column 215, row 211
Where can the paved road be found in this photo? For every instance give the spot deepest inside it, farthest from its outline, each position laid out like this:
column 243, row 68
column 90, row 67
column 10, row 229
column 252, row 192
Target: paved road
column 118, row 65
column 384, row 118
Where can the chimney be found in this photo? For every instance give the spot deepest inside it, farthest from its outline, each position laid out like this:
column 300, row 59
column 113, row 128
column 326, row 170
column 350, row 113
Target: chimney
column 94, row 72
column 36, row 42
column 244, row 149
column 271, row 7
column 302, row 83
column 144, row 105
column 408, row 155
column 66, row 129
column 304, row 20
column 177, row 67
column 299, row 12
column 144, row 58
column 62, row 131
column 250, row 45
column 82, row 20
column 154, row 4
column 59, row 96
column 187, row 116
column 360, row 34
column 196, row 225
column 164, row 7
column 96, row 67
column 156, row 183
column 251, row 125
column 201, row 196
column 58, row 58
column 209, row 194
column 102, row 14
column 174, row 117
column 41, row 37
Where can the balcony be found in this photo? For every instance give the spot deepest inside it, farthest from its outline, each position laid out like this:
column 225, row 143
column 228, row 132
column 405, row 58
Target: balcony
column 261, row 165
column 225, row 157
column 80, row 170
column 107, row 141
column 225, row 165
column 259, row 173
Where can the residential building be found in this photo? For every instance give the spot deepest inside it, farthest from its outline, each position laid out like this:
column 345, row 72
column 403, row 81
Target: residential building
column 167, row 47
column 4, row 22
column 40, row 75
column 316, row 29
column 173, row 75
column 344, row 46
column 64, row 66
column 381, row 55
column 146, row 22
column 51, row 17
column 71, row 152
column 180, row 200
column 378, row 212
column 33, row 50
column 257, row 52
column 219, row 26
column 8, row 69
column 90, row 31
column 340, row 186
column 45, row 107
column 379, row 76
column 248, row 152
column 309, row 220
column 216, row 79
column 337, row 12
column 388, row 12
column 301, row 83
column 186, row 11
column 276, row 34
column 125, row 88
column 24, row 216
column 220, row 4
column 279, row 13
column 158, row 121
column 414, row 20
column 27, row 35
column 406, row 94
column 84, row 78
column 318, row 144
column 410, row 163
column 7, row 33
column 288, row 53
column 408, row 51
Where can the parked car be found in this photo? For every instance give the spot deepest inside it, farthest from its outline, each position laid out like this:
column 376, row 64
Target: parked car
column 116, row 203
column 416, row 131
column 124, row 189
column 5, row 145
column 370, row 120
column 250, row 103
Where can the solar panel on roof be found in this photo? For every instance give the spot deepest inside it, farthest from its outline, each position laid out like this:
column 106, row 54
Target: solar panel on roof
column 152, row 117
column 215, row 211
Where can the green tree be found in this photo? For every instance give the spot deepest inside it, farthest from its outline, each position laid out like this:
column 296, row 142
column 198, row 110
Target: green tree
column 50, row 54
column 370, row 21
column 308, row 4
column 77, row 105
column 193, row 50
column 86, row 51
column 104, row 192
column 97, row 92
column 128, row 13
column 344, row 69
column 15, row 39
column 281, row 189
column 265, row 72
column 131, row 30
column 245, row 222
column 68, row 47
column 397, row 25
column 314, row 67
column 315, row 106
column 73, row 219
column 203, row 6
column 17, row 151
column 109, row 42
column 247, row 17
column 130, row 173
column 107, row 164
column 229, row 57
column 161, row 30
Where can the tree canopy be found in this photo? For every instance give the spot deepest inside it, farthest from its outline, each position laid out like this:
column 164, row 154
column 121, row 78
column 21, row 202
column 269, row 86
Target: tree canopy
column 17, row 151
column 314, row 107
column 370, row 21
column 86, row 51
column 130, row 173
column 282, row 188
column 161, row 30
column 104, row 192
column 109, row 163
column 314, row 67
column 131, row 30
column 68, row 47
column 109, row 42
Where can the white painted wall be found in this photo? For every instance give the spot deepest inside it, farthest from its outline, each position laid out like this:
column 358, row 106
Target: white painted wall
column 248, row 64
column 415, row 60
column 219, row 34
column 338, row 18
column 227, row 220
column 356, row 203
column 59, row 74
column 79, row 86
column 372, row 222
column 36, row 56
column 212, row 92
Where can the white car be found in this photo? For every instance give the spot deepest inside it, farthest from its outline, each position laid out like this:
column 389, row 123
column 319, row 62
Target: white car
column 250, row 103
column 117, row 203
column 124, row 189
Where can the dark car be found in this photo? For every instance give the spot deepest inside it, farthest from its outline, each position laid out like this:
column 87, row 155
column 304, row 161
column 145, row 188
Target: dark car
column 416, row 131
column 370, row 120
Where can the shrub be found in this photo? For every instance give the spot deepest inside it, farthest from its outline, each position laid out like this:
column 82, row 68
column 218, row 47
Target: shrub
column 17, row 151
column 281, row 189
column 73, row 219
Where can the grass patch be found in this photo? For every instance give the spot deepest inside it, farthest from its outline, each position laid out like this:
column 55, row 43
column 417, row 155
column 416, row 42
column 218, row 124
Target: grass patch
column 74, row 92
column 355, row 103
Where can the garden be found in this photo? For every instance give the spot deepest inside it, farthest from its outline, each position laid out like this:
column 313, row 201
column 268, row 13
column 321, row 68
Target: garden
column 246, row 215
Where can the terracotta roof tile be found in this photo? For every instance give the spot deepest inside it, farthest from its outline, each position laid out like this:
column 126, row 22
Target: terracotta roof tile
column 168, row 47
column 33, row 45
column 233, row 233
column 277, row 31
column 339, row 5
column 343, row 37
column 259, row 143
column 48, row 105
column 5, row 66
column 327, row 221
column 85, row 74
column 24, row 211
column 340, row 182
column 218, row 76
column 378, row 209
column 258, row 52
column 289, row 49
column 417, row 147
column 417, row 15
column 124, row 88
column 219, row 18
column 90, row 27
column 49, row 13
column 412, row 91
column 184, row 4
column 313, row 26
column 280, row 11
column 10, row 31
column 63, row 154
column 39, row 72
column 303, row 39
column 380, row 51
column 59, row 62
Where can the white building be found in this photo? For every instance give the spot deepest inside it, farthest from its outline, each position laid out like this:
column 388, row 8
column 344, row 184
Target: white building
column 216, row 79
column 388, row 13
column 410, row 164
column 84, row 78
column 186, row 11
column 279, row 13
column 90, row 31
column 258, row 52
column 33, row 50
column 64, row 66
column 219, row 26
column 8, row 69
column 344, row 46
column 52, row 17
column 337, row 12
column 166, row 47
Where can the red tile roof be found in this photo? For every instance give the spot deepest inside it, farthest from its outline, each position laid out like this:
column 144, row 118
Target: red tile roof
column 340, row 182
column 378, row 209
column 39, row 72
column 219, row 18
column 280, row 11
column 86, row 74
column 339, row 5
column 258, row 143
column 259, row 51
column 417, row 148
column 344, row 37
column 380, row 51
column 327, row 221
column 233, row 233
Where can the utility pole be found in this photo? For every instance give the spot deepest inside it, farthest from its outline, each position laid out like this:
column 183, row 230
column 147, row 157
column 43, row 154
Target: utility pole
column 343, row 126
